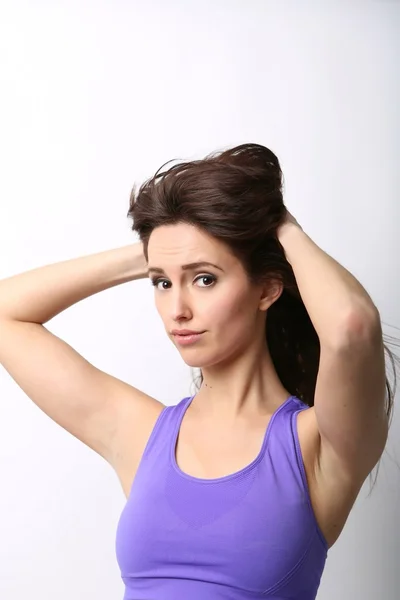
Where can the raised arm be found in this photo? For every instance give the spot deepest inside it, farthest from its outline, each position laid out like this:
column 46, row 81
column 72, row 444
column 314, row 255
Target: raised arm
column 92, row 405
column 349, row 402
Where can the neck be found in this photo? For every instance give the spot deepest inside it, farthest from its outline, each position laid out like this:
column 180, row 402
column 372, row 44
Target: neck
column 246, row 387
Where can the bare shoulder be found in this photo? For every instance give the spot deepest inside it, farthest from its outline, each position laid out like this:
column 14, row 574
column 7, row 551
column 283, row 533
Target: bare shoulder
column 332, row 493
column 135, row 417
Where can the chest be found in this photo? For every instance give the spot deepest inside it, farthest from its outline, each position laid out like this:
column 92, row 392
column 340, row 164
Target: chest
column 211, row 452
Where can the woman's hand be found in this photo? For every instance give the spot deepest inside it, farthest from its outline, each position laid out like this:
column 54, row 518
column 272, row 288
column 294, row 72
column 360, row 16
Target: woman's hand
column 290, row 219
column 288, row 224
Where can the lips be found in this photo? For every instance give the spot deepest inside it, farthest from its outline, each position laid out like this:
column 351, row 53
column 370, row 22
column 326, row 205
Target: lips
column 184, row 332
column 188, row 339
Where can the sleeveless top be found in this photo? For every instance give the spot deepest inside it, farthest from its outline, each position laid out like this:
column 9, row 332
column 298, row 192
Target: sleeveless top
column 249, row 535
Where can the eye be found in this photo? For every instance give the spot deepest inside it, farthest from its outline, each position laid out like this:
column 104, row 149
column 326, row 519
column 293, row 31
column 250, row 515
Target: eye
column 155, row 282
column 209, row 277
column 213, row 279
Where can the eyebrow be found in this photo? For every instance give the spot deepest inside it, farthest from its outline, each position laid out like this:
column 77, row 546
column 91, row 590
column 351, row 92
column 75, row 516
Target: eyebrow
column 188, row 267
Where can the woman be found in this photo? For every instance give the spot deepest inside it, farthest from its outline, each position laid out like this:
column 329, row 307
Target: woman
column 239, row 490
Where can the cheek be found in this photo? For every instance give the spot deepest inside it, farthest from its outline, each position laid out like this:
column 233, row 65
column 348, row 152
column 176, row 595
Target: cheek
column 228, row 312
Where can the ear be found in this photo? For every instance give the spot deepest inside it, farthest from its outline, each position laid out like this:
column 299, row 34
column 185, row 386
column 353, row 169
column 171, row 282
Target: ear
column 270, row 293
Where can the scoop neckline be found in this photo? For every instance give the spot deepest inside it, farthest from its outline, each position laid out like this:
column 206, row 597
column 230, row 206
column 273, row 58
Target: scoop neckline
column 230, row 476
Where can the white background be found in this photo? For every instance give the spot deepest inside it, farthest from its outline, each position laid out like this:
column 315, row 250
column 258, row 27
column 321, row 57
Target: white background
column 96, row 95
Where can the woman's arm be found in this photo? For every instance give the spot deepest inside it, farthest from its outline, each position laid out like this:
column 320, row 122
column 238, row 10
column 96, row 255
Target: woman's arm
column 107, row 414
column 349, row 401
column 38, row 295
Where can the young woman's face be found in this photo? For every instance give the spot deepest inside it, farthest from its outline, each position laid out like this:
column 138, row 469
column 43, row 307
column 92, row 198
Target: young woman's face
column 216, row 300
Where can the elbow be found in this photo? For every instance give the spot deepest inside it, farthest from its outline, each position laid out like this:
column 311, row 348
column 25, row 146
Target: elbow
column 360, row 326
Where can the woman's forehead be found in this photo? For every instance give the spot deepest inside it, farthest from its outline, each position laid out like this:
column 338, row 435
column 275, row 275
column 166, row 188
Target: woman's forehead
column 181, row 244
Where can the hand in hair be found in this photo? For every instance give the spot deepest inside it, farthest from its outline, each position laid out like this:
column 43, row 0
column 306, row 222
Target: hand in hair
column 290, row 219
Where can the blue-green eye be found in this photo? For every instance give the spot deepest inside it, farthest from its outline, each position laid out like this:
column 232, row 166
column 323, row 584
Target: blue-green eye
column 213, row 279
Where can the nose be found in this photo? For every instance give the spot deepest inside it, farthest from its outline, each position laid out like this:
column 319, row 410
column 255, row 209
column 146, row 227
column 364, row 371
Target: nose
column 180, row 308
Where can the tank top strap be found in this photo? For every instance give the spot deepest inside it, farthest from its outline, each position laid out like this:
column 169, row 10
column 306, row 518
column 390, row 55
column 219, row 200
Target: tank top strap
column 282, row 431
column 162, row 433
column 285, row 412
column 283, row 453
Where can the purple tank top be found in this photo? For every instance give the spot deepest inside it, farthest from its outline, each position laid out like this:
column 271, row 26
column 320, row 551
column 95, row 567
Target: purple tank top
column 249, row 535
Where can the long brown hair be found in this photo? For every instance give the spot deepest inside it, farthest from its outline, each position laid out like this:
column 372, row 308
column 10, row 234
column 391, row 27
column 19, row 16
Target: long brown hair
column 236, row 196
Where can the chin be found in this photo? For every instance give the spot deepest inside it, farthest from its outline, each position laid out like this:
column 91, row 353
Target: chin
column 197, row 360
column 192, row 362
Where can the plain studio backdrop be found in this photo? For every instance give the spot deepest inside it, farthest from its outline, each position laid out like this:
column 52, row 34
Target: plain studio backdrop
column 96, row 95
